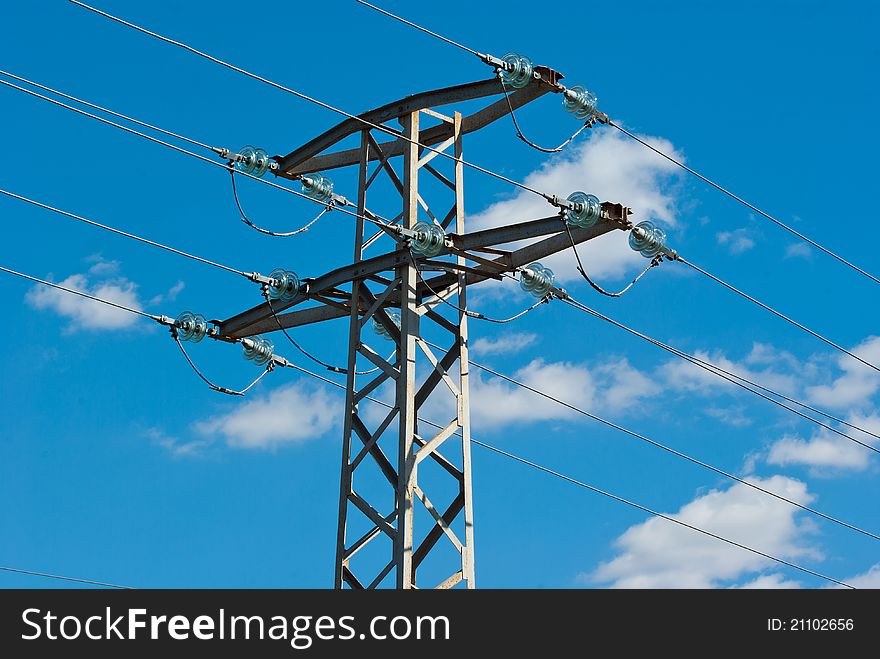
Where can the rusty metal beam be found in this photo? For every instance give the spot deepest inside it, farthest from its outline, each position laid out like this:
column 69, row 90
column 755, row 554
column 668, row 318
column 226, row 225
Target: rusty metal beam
column 306, row 159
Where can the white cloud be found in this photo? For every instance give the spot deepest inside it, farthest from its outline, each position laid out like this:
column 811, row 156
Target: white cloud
column 827, row 450
column 732, row 416
column 736, row 241
column 798, row 251
column 660, row 554
column 685, row 376
column 85, row 314
column 612, row 167
column 620, row 386
column 176, row 446
column 102, row 267
column 504, row 344
column 293, row 413
column 869, row 579
column 857, row 384
column 495, row 402
column 767, row 581
column 169, row 296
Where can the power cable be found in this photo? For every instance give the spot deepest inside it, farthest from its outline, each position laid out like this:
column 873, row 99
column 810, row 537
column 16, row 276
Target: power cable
column 676, row 162
column 778, row 314
column 310, row 356
column 525, row 139
column 160, row 319
column 215, row 387
column 276, row 234
column 669, row 518
column 580, row 268
column 666, row 448
column 375, row 219
column 736, row 379
column 125, row 234
column 747, row 204
column 80, row 293
column 467, row 312
column 305, row 97
column 596, row 490
column 94, row 106
column 58, row 576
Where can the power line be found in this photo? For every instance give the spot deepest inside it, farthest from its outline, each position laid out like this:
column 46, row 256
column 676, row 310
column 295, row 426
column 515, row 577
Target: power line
column 58, row 576
column 526, row 140
column 310, row 99
column 580, row 268
column 80, row 293
column 778, row 314
column 306, row 353
column 125, row 234
column 156, row 140
column 419, row 27
column 118, row 115
column 336, row 384
column 668, row 518
column 275, row 234
column 164, row 320
column 735, row 379
column 468, row 312
column 669, row 449
column 676, row 162
column 596, row 490
column 748, row 205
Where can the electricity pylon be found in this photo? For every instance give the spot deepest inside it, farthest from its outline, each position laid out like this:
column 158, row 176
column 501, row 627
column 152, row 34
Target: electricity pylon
column 393, row 519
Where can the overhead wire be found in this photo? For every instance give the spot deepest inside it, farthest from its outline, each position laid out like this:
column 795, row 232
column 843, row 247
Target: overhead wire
column 330, row 107
column 311, row 99
column 215, row 387
column 653, row 148
column 596, row 287
column 669, row 518
column 468, row 312
column 668, row 449
column 306, row 353
column 373, row 219
column 736, row 379
column 153, row 317
column 276, row 234
column 100, row 108
column 547, row 470
column 125, row 234
column 757, row 210
column 525, row 139
column 423, row 29
column 779, row 314
column 63, row 578
column 73, row 291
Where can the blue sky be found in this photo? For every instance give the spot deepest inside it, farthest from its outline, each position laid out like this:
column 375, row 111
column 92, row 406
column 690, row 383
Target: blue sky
column 117, row 464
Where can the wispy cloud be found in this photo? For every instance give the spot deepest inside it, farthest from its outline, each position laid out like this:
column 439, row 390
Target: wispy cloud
column 294, row 413
column 659, row 554
column 798, row 251
column 732, row 415
column 826, row 452
column 869, row 579
column 736, row 241
column 504, row 344
column 168, row 296
column 770, row 581
column 101, row 281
